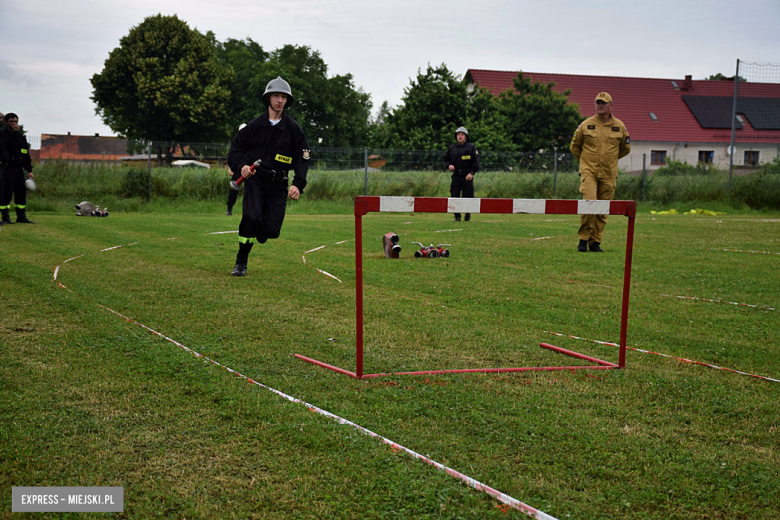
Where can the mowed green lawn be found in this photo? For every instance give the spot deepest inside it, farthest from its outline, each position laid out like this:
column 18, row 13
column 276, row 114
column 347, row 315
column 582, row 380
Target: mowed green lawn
column 89, row 399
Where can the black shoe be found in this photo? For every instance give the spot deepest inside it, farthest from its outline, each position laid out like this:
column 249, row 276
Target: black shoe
column 239, row 270
column 9, row 221
column 468, row 217
column 229, row 211
column 582, row 247
column 24, row 220
column 595, row 247
column 457, row 218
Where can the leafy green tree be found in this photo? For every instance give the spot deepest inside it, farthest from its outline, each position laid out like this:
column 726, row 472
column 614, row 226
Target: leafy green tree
column 246, row 58
column 434, row 106
column 163, row 83
column 722, row 77
column 536, row 117
column 331, row 111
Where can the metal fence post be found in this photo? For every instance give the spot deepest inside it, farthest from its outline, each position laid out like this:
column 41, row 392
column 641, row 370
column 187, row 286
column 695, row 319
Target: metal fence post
column 732, row 148
column 555, row 176
column 644, row 159
column 150, row 170
column 365, row 175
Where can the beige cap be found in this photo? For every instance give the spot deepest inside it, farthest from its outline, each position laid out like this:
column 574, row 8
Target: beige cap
column 605, row 97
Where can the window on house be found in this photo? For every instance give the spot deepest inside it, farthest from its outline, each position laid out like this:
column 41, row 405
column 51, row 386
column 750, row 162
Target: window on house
column 657, row 156
column 653, row 117
column 751, row 158
column 740, row 120
column 706, row 156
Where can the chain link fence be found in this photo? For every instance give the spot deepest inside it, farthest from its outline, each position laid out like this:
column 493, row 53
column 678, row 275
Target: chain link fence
column 87, row 149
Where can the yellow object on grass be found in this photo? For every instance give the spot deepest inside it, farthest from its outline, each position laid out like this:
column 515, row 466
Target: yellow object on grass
column 704, row 212
column 691, row 212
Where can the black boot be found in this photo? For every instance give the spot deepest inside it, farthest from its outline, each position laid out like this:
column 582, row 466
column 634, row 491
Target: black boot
column 468, row 217
column 6, row 216
column 582, row 247
column 230, row 211
column 595, row 247
column 242, row 259
column 21, row 217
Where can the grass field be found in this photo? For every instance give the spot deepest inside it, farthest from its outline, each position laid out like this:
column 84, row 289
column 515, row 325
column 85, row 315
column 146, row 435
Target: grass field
column 90, row 399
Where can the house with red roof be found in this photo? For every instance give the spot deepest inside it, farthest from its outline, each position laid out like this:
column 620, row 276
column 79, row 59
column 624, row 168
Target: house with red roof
column 80, row 148
column 682, row 119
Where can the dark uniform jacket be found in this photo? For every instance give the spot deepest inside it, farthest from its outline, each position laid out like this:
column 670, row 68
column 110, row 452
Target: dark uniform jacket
column 4, row 157
column 464, row 157
column 18, row 150
column 281, row 147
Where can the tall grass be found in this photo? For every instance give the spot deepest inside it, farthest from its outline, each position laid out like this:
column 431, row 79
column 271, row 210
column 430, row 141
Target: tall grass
column 63, row 184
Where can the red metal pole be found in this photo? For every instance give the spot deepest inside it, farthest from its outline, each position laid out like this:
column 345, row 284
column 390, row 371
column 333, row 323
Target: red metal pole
column 359, row 296
column 631, row 214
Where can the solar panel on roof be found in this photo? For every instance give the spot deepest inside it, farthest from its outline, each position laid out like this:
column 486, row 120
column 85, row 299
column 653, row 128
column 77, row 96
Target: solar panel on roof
column 763, row 113
column 711, row 111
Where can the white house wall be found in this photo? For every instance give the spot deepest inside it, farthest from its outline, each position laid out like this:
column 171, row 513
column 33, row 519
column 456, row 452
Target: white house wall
column 689, row 152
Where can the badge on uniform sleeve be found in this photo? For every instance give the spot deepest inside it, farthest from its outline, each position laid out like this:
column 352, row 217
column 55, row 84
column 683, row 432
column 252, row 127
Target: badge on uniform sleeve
column 591, row 127
column 306, row 155
column 628, row 140
column 283, row 159
column 616, row 129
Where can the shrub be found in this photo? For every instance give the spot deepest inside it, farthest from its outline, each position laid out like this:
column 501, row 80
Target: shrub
column 679, row 168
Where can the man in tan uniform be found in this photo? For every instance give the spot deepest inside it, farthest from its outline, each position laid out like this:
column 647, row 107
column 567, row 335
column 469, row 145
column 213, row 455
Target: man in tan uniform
column 597, row 144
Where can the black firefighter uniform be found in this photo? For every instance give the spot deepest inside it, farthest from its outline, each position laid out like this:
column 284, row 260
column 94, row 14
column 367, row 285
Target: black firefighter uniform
column 282, row 148
column 15, row 174
column 598, row 145
column 465, row 158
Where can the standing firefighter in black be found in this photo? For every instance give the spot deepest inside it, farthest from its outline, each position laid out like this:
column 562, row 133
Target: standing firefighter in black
column 4, row 158
column 462, row 159
column 275, row 144
column 19, row 163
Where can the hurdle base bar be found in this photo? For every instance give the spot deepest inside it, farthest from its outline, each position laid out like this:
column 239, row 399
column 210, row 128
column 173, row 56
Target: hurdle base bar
column 600, row 365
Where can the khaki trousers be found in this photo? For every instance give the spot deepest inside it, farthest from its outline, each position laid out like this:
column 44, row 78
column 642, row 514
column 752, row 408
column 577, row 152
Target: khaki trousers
column 595, row 187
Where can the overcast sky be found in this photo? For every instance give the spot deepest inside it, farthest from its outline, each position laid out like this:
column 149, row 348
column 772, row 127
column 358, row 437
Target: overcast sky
column 49, row 49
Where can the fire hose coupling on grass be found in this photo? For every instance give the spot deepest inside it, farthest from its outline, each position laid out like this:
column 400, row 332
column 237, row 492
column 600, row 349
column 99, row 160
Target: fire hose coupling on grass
column 432, row 251
column 390, row 243
column 87, row 209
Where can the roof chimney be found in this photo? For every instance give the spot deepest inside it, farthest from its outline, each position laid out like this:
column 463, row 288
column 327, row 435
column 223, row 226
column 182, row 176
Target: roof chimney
column 98, row 135
column 688, row 82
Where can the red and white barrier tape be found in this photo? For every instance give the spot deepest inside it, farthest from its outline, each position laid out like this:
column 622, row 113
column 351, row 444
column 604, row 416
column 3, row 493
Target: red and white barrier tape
column 117, row 247
column 222, row 232
column 502, row 497
column 57, row 268
column 722, row 301
column 741, row 251
column 320, row 270
column 541, row 238
column 668, row 356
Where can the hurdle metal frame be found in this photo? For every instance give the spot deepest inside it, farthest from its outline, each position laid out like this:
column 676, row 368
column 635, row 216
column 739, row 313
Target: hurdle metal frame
column 365, row 205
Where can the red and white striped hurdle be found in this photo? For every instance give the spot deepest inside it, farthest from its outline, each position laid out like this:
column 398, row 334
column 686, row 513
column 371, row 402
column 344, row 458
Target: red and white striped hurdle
column 365, row 205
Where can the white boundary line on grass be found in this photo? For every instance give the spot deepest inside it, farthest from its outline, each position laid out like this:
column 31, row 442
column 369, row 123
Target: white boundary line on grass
column 498, row 495
column 742, row 251
column 764, row 307
column 666, row 355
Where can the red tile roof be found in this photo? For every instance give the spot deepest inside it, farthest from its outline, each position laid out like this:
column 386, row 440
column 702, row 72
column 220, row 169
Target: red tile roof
column 634, row 98
column 80, row 147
